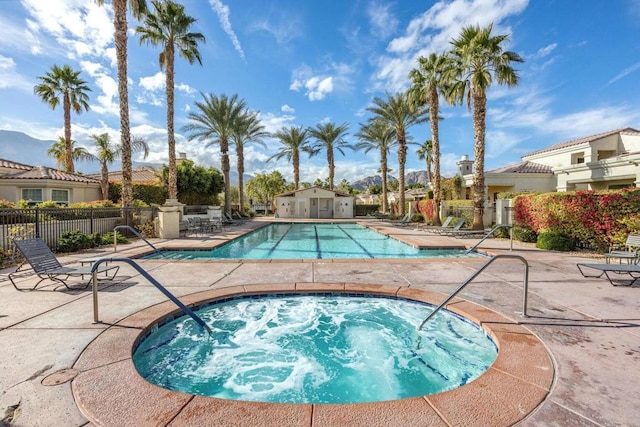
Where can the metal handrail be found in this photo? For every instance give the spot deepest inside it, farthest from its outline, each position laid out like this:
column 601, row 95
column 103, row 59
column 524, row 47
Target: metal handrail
column 490, row 233
column 134, row 231
column 154, row 282
column 475, row 274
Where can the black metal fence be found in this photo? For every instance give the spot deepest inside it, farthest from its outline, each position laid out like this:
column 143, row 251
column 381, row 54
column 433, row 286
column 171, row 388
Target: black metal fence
column 50, row 223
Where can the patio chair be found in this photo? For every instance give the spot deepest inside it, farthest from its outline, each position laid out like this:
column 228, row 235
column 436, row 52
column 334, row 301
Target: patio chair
column 630, row 252
column 406, row 219
column 633, row 270
column 46, row 266
column 449, row 230
column 445, row 224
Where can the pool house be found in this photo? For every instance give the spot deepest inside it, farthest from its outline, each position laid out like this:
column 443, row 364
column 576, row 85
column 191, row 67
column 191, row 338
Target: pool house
column 314, row 202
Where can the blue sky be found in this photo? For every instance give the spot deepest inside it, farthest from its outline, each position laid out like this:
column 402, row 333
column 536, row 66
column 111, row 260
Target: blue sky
column 308, row 62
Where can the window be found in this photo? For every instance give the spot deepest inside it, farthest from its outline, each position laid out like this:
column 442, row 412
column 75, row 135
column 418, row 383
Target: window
column 32, row 195
column 60, row 196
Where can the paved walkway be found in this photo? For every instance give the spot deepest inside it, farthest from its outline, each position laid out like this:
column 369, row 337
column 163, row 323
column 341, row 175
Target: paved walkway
column 591, row 329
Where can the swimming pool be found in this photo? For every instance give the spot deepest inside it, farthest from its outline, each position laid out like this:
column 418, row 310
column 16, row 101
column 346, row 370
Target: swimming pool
column 312, row 241
column 321, row 348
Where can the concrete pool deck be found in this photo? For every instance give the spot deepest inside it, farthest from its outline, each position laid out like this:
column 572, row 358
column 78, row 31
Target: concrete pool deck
column 590, row 329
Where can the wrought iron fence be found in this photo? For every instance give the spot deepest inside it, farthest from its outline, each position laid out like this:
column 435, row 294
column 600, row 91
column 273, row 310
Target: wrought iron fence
column 50, row 223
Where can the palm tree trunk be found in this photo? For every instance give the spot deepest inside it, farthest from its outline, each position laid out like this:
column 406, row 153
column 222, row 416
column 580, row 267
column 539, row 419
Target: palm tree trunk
column 104, row 181
column 120, row 25
column 402, row 158
column 224, row 163
column 435, row 146
column 68, row 148
column 479, row 114
column 332, row 167
column 240, row 161
column 383, row 170
column 171, row 139
column 296, row 169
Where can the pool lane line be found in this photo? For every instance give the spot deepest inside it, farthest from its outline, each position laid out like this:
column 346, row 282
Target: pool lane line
column 318, row 251
column 273, row 248
column 356, row 242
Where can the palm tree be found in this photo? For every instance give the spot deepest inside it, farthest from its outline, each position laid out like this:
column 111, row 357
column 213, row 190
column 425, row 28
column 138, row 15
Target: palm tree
column 427, row 81
column 378, row 135
column 294, row 140
column 63, row 82
column 329, row 138
column 425, row 152
column 214, row 122
column 478, row 58
column 107, row 152
column 137, row 8
column 248, row 129
column 169, row 27
column 399, row 114
column 58, row 151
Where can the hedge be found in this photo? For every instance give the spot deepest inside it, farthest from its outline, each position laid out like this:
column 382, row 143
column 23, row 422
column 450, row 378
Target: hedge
column 598, row 219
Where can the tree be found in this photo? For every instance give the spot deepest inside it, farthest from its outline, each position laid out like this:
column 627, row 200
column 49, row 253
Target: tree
column 137, row 8
column 329, row 138
column 428, row 80
column 294, row 140
column 107, row 152
column 425, row 152
column 264, row 187
column 197, row 185
column 214, row 122
column 62, row 84
column 58, row 151
column 344, row 187
column 378, row 135
column 477, row 59
column 398, row 113
column 248, row 129
column 169, row 27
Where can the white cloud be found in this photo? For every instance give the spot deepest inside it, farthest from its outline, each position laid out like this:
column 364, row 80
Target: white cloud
column 383, row 22
column 223, row 15
column 287, row 28
column 318, row 84
column 286, row 109
column 153, row 83
column 545, row 51
column 433, row 30
column 625, row 73
column 11, row 78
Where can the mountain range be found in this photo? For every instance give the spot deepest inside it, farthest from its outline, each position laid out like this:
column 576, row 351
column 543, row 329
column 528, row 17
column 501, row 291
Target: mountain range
column 417, row 177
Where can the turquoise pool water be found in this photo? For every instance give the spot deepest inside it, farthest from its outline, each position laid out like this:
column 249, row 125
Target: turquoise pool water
column 327, row 348
column 312, row 241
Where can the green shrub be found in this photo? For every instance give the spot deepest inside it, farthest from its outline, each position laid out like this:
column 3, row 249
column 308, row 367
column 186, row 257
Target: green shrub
column 107, row 238
column 417, row 217
column 72, row 241
column 554, row 241
column 524, row 234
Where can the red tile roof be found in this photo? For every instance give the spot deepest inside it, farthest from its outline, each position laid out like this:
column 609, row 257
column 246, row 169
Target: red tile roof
column 523, row 167
column 23, row 171
column 13, row 165
column 144, row 174
column 626, row 131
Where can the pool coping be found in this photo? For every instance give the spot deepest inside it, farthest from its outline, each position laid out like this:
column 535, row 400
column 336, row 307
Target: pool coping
column 109, row 391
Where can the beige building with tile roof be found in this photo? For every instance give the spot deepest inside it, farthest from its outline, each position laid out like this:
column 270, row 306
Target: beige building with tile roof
column 605, row 161
column 40, row 183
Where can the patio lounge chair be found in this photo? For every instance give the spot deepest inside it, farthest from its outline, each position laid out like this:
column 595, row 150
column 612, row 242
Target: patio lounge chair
column 46, row 265
column 630, row 253
column 445, row 224
column 449, row 230
column 633, row 270
column 406, row 219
